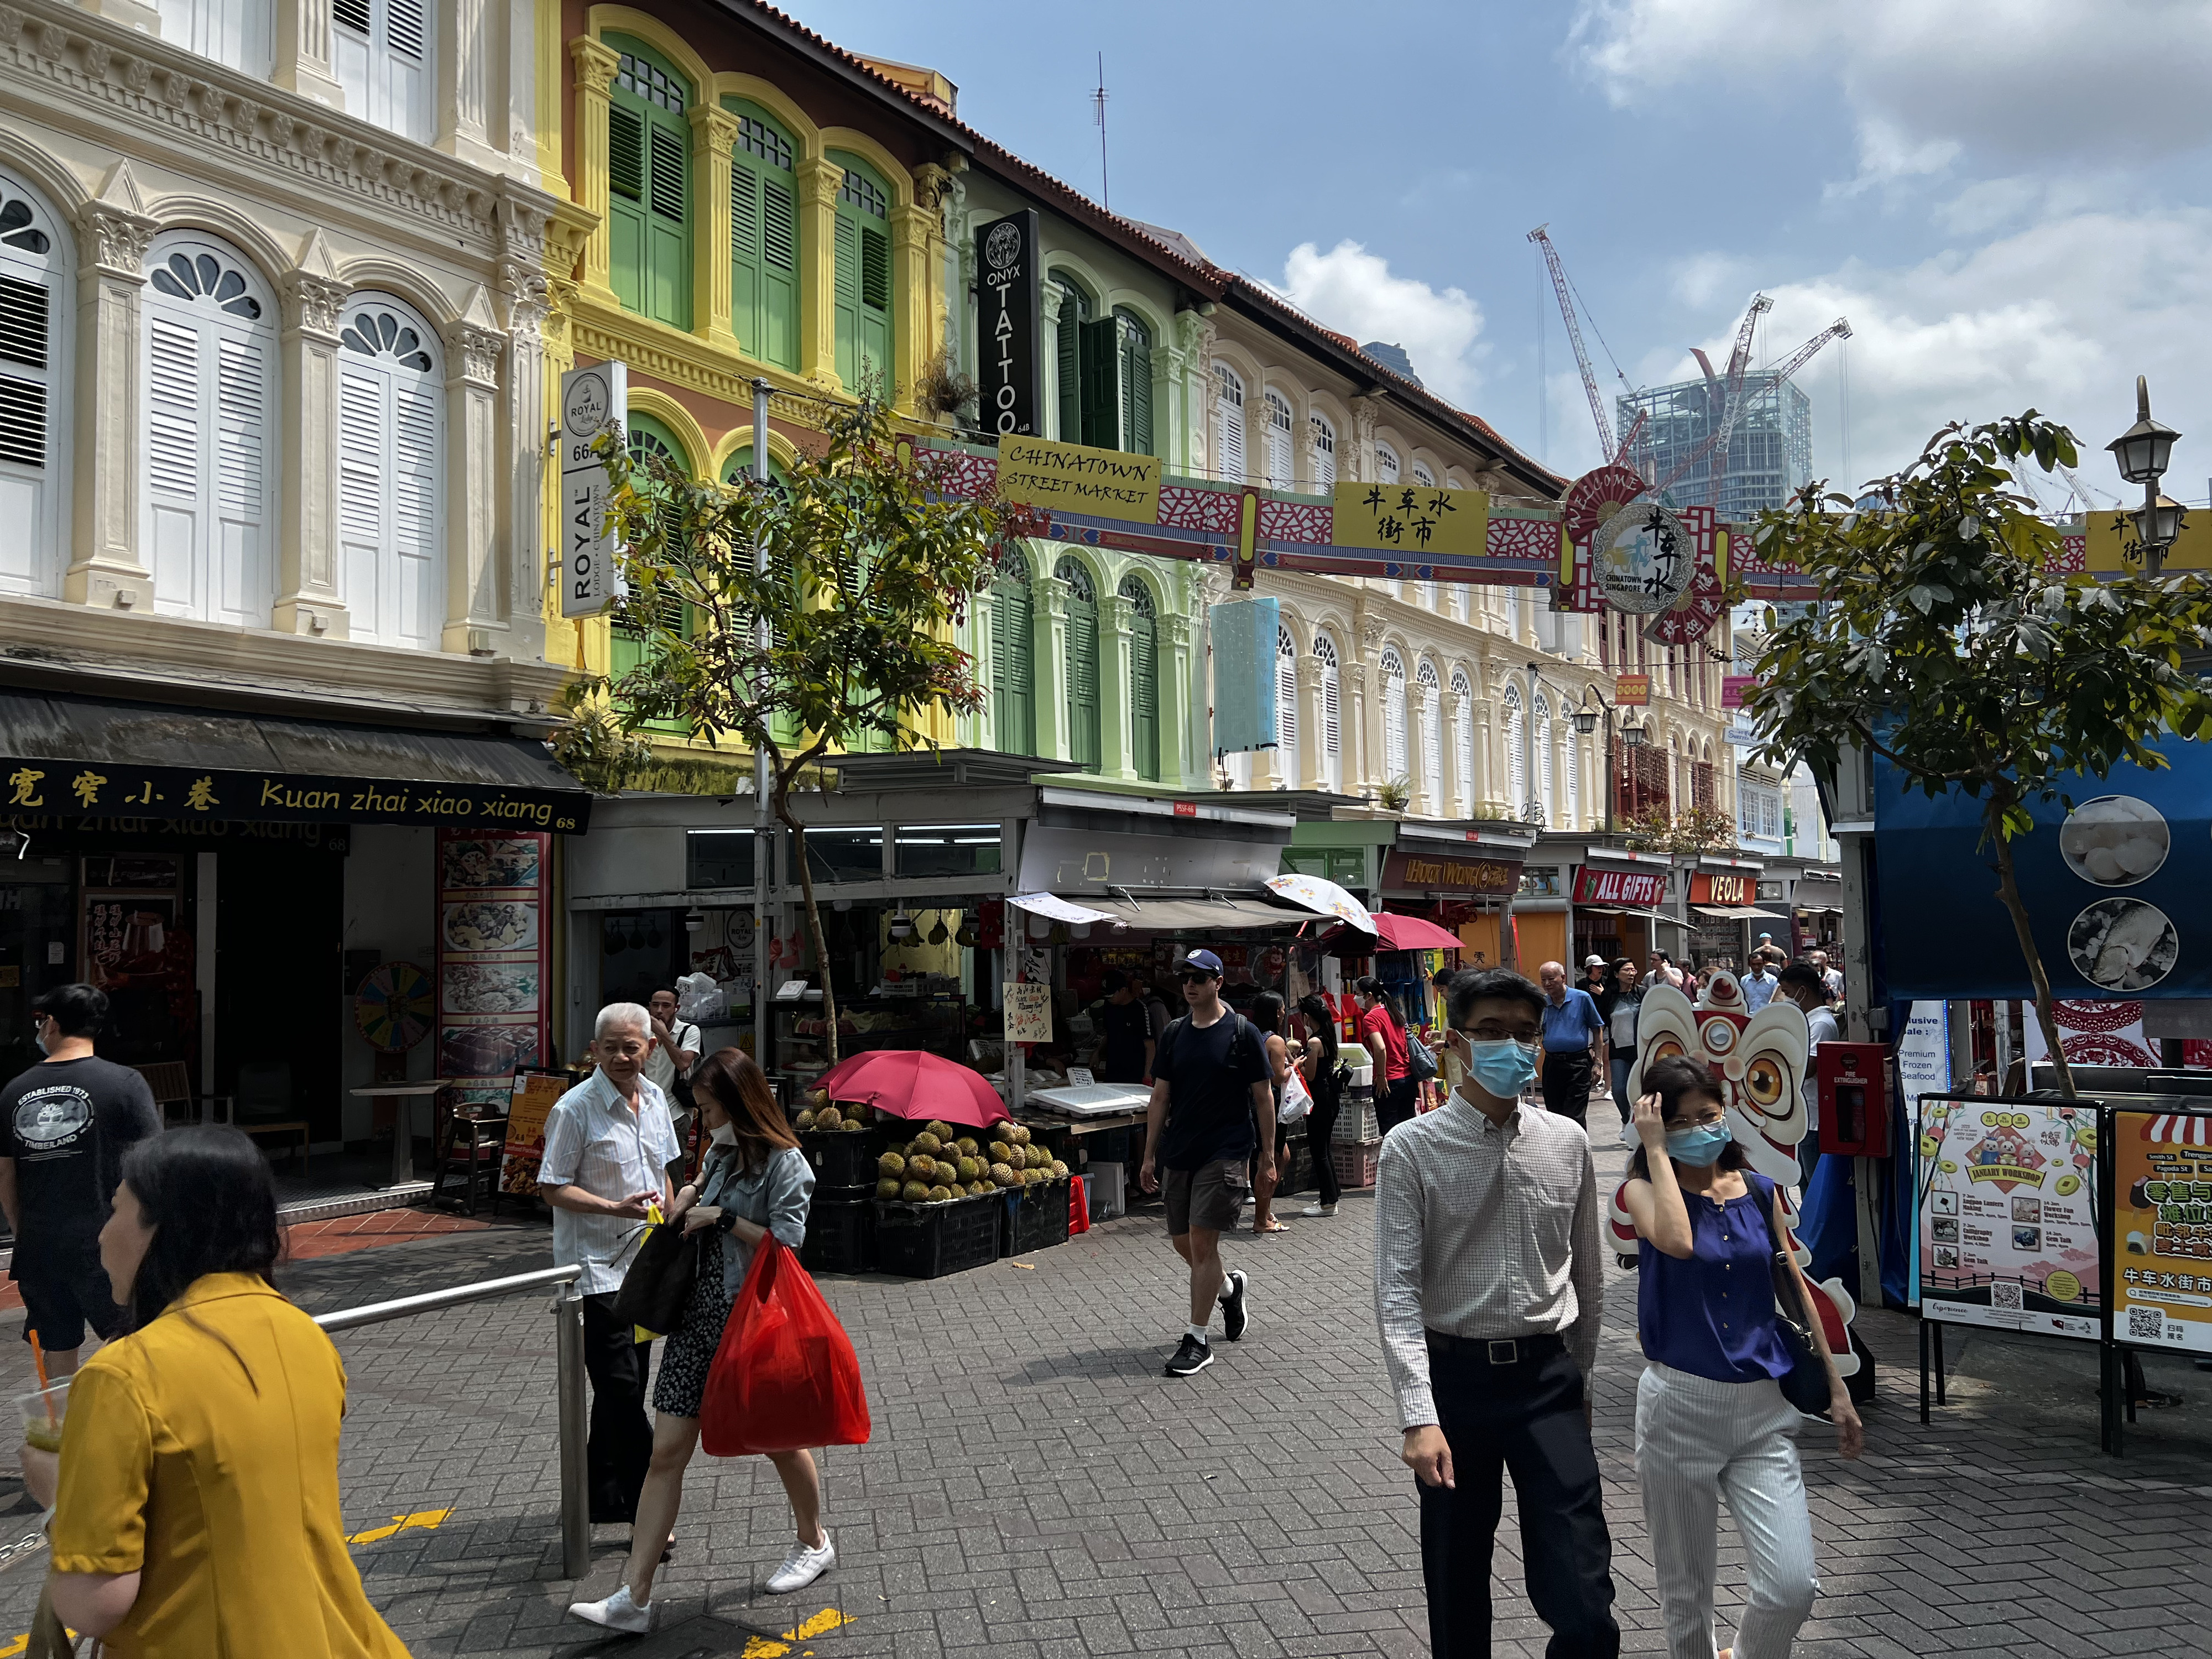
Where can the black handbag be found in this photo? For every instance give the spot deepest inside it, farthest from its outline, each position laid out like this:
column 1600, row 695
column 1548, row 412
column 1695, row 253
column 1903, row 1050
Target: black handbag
column 1805, row 1385
column 657, row 1286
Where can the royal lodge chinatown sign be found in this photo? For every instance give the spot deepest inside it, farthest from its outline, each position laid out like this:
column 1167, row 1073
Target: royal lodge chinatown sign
column 1446, row 872
column 1641, row 888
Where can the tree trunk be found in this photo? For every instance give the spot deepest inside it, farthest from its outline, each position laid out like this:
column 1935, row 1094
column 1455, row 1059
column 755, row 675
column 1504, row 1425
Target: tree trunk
column 2009, row 892
column 813, row 913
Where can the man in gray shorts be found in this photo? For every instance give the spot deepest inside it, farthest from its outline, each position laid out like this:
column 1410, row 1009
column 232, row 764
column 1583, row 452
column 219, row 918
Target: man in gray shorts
column 1211, row 1106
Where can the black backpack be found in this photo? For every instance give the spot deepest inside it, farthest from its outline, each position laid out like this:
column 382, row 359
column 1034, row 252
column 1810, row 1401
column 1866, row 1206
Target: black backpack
column 1165, row 1048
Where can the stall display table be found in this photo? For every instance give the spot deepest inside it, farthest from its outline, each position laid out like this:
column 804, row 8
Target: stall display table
column 403, row 1096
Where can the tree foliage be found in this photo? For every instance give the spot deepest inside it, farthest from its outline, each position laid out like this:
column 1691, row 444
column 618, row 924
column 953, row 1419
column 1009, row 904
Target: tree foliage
column 1948, row 641
column 1697, row 830
column 840, row 640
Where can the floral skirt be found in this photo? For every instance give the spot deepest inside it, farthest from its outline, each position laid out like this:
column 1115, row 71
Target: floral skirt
column 689, row 1352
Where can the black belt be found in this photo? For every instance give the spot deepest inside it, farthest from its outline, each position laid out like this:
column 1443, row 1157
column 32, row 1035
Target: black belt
column 1498, row 1351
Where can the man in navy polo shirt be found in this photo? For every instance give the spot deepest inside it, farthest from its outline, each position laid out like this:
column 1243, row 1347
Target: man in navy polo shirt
column 1571, row 1030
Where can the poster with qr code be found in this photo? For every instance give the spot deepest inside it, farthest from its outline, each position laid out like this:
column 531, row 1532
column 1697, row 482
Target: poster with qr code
column 2160, row 1241
column 2006, row 1206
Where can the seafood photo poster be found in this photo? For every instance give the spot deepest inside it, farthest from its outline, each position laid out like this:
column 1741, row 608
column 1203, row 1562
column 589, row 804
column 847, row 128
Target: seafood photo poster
column 492, row 961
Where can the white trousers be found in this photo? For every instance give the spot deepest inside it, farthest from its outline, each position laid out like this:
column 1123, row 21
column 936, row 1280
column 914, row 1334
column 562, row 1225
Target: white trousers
column 1697, row 1441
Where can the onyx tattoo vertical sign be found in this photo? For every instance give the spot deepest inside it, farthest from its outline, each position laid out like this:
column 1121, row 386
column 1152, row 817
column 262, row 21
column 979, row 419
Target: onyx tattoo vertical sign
column 1010, row 358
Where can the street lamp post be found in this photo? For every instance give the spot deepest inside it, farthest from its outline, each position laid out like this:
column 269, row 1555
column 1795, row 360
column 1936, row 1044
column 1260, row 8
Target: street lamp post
column 2142, row 452
column 1586, row 719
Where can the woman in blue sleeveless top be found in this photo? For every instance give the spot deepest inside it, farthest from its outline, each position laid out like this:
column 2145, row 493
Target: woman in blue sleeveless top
column 1711, row 1421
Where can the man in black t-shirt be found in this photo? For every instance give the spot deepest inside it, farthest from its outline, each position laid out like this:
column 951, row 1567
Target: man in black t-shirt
column 1211, row 1106
column 1127, row 1027
column 64, row 1126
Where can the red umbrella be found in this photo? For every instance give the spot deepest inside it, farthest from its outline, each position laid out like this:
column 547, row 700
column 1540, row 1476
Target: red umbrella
column 1396, row 933
column 912, row 1083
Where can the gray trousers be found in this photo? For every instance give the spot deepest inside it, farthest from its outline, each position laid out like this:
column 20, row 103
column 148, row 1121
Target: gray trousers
column 1697, row 1441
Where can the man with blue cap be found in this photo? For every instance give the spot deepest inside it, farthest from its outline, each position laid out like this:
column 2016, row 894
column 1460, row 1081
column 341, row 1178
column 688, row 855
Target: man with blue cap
column 1210, row 1107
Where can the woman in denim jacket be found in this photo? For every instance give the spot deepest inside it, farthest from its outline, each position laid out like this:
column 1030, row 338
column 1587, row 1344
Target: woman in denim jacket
column 754, row 1183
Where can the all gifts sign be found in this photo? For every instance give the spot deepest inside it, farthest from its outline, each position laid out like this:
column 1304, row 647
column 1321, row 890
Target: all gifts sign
column 1641, row 888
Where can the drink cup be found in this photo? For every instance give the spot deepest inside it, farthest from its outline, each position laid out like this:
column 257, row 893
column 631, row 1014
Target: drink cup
column 43, row 1410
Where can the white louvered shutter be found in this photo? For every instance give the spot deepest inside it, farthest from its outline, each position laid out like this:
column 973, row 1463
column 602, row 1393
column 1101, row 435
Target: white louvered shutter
column 380, row 52
column 35, row 389
column 1229, row 418
column 1394, row 717
column 1280, row 468
column 1463, row 741
column 1433, row 737
column 1332, row 725
column 1324, row 437
column 391, row 468
column 1287, row 706
column 364, row 490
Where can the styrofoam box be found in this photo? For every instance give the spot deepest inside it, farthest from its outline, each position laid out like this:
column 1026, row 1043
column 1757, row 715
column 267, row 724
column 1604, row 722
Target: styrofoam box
column 1109, row 1182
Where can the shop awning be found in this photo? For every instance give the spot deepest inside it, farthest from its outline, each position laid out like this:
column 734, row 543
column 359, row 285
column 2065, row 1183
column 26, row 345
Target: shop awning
column 1644, row 915
column 90, row 758
column 1198, row 915
column 1739, row 912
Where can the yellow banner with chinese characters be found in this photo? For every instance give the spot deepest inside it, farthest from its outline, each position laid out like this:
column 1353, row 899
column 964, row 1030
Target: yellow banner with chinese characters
column 1099, row 484
column 2111, row 545
column 1416, row 521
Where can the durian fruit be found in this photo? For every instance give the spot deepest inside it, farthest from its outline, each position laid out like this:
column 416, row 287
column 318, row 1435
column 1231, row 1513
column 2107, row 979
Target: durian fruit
column 803, row 1122
column 942, row 1131
column 854, row 1126
column 915, row 1191
column 888, row 1187
column 1019, row 1134
column 940, row 1194
column 968, row 1145
column 977, row 1187
column 1059, row 1171
column 922, row 1167
column 1036, row 1157
column 817, row 1098
column 969, row 1169
column 1002, row 1152
column 891, row 1163
column 1003, row 1130
column 899, row 1146
column 829, row 1118
column 1001, row 1175
column 926, row 1142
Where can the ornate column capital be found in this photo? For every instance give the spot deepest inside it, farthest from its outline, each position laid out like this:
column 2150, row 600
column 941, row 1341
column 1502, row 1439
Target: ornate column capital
column 528, row 297
column 595, row 65
column 116, row 239
column 477, row 352
column 1174, row 628
column 312, row 304
column 819, row 181
column 913, row 225
column 1113, row 613
column 712, row 124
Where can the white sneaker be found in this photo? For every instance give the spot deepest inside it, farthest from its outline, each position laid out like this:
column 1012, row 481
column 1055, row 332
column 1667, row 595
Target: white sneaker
column 1313, row 1210
column 802, row 1566
column 617, row 1612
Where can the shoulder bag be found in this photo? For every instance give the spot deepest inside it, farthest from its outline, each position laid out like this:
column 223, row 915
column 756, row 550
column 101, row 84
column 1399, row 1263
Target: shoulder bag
column 1421, row 1064
column 657, row 1286
column 1805, row 1385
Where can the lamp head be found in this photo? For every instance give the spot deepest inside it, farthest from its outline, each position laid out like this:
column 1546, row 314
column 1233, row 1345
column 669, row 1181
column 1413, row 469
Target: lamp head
column 2144, row 448
column 1586, row 721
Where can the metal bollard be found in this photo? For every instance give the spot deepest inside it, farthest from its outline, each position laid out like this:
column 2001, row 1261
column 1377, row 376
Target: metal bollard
column 575, row 1493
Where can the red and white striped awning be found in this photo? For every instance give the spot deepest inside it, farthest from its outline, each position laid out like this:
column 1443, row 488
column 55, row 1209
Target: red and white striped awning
column 2179, row 1129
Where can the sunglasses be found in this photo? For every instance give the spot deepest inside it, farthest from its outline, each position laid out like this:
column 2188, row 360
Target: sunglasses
column 1196, row 975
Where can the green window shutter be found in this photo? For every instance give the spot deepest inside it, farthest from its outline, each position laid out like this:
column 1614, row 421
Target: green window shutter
column 864, row 274
column 1083, row 684
column 1014, row 673
column 745, row 254
column 763, row 240
column 1136, row 393
column 1144, row 696
column 668, row 292
column 849, row 302
column 1101, row 400
column 626, row 206
column 649, row 186
column 779, row 332
column 1070, row 378
column 875, row 300
column 626, row 152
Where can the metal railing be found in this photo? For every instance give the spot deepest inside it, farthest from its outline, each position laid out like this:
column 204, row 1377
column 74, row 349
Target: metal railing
column 567, row 1310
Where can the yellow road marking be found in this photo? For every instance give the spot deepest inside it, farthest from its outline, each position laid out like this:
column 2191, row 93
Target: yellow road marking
column 763, row 1647
column 421, row 1521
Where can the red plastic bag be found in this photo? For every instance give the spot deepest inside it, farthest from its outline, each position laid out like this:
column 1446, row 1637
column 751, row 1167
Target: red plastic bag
column 784, row 1377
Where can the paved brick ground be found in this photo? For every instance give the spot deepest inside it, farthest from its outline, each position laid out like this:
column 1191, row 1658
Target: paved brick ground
column 1036, row 1489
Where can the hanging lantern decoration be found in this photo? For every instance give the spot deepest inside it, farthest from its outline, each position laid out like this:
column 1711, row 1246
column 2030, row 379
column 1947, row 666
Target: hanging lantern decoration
column 901, row 928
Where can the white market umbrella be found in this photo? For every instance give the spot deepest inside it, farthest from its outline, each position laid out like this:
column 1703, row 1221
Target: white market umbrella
column 1323, row 898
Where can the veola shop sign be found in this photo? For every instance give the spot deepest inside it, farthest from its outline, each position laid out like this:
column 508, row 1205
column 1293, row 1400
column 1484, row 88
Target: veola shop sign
column 1717, row 889
column 1641, row 888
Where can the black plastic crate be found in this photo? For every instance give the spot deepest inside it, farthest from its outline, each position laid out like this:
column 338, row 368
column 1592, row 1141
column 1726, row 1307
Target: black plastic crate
column 843, row 1194
column 928, row 1241
column 843, row 1158
column 840, row 1236
column 1037, row 1216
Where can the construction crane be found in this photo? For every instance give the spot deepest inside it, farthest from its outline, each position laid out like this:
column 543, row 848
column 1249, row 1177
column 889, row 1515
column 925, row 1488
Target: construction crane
column 1612, row 452
column 1731, row 394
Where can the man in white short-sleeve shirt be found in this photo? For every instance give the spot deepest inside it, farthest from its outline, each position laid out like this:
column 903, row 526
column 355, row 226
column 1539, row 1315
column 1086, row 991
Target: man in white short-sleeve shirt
column 608, row 1146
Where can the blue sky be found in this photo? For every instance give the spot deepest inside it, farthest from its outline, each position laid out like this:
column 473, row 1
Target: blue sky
column 2008, row 198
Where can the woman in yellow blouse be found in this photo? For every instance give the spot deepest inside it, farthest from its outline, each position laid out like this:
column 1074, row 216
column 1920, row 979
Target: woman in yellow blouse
column 197, row 1510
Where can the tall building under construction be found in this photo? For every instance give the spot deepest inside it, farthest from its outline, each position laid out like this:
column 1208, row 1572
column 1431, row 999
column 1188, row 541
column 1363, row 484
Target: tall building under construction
column 1770, row 452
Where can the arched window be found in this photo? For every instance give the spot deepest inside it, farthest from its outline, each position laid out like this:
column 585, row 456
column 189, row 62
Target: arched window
column 1286, row 705
column 1423, row 476
column 1463, row 741
column 1386, row 462
column 238, row 33
column 35, row 299
column 1229, row 424
column 1143, row 678
column 1013, row 669
column 1516, row 749
column 1081, row 668
column 210, row 496
column 1331, row 733
column 1541, row 731
column 1132, row 346
column 380, row 53
column 1067, row 358
column 391, row 448
column 1280, row 467
column 1324, row 443
column 864, row 274
column 1433, row 730
column 649, row 184
column 1394, row 714
column 763, row 237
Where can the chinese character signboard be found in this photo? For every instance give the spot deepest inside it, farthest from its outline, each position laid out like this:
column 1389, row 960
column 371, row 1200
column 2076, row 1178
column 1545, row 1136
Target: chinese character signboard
column 1456, row 873
column 1411, row 520
column 1641, row 888
column 1631, row 690
column 2111, row 547
column 185, row 794
column 590, row 399
column 1010, row 364
column 2005, row 1210
column 1099, row 484
column 2160, row 1238
column 1733, row 686
column 1643, row 558
column 1029, row 1012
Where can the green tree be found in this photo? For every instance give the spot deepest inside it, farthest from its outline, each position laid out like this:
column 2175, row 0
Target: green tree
column 1947, row 641
column 1697, row 830
column 839, row 640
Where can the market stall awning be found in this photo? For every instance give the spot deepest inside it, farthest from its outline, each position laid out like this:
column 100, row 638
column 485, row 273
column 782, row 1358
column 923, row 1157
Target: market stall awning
column 93, row 757
column 1739, row 912
column 1197, row 916
column 1643, row 915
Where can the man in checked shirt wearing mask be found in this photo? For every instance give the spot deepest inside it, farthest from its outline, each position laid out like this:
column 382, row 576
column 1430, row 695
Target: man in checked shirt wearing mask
column 1488, row 1289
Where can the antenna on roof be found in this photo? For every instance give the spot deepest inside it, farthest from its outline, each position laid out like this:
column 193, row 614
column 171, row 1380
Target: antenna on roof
column 1098, row 114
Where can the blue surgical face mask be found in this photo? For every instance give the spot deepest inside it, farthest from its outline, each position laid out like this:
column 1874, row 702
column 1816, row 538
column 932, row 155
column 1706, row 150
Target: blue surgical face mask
column 1700, row 1147
column 1503, row 1067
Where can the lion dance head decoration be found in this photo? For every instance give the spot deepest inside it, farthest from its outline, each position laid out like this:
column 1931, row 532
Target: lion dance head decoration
column 1759, row 1060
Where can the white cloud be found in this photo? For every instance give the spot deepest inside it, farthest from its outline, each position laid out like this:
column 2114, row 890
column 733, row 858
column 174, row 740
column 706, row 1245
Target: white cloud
column 2057, row 82
column 1353, row 291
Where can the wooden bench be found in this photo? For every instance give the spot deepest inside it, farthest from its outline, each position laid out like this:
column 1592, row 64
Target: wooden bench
column 170, row 1081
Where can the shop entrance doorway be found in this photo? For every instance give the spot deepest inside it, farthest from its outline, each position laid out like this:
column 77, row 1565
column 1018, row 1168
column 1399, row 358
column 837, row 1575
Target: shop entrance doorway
column 280, row 984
